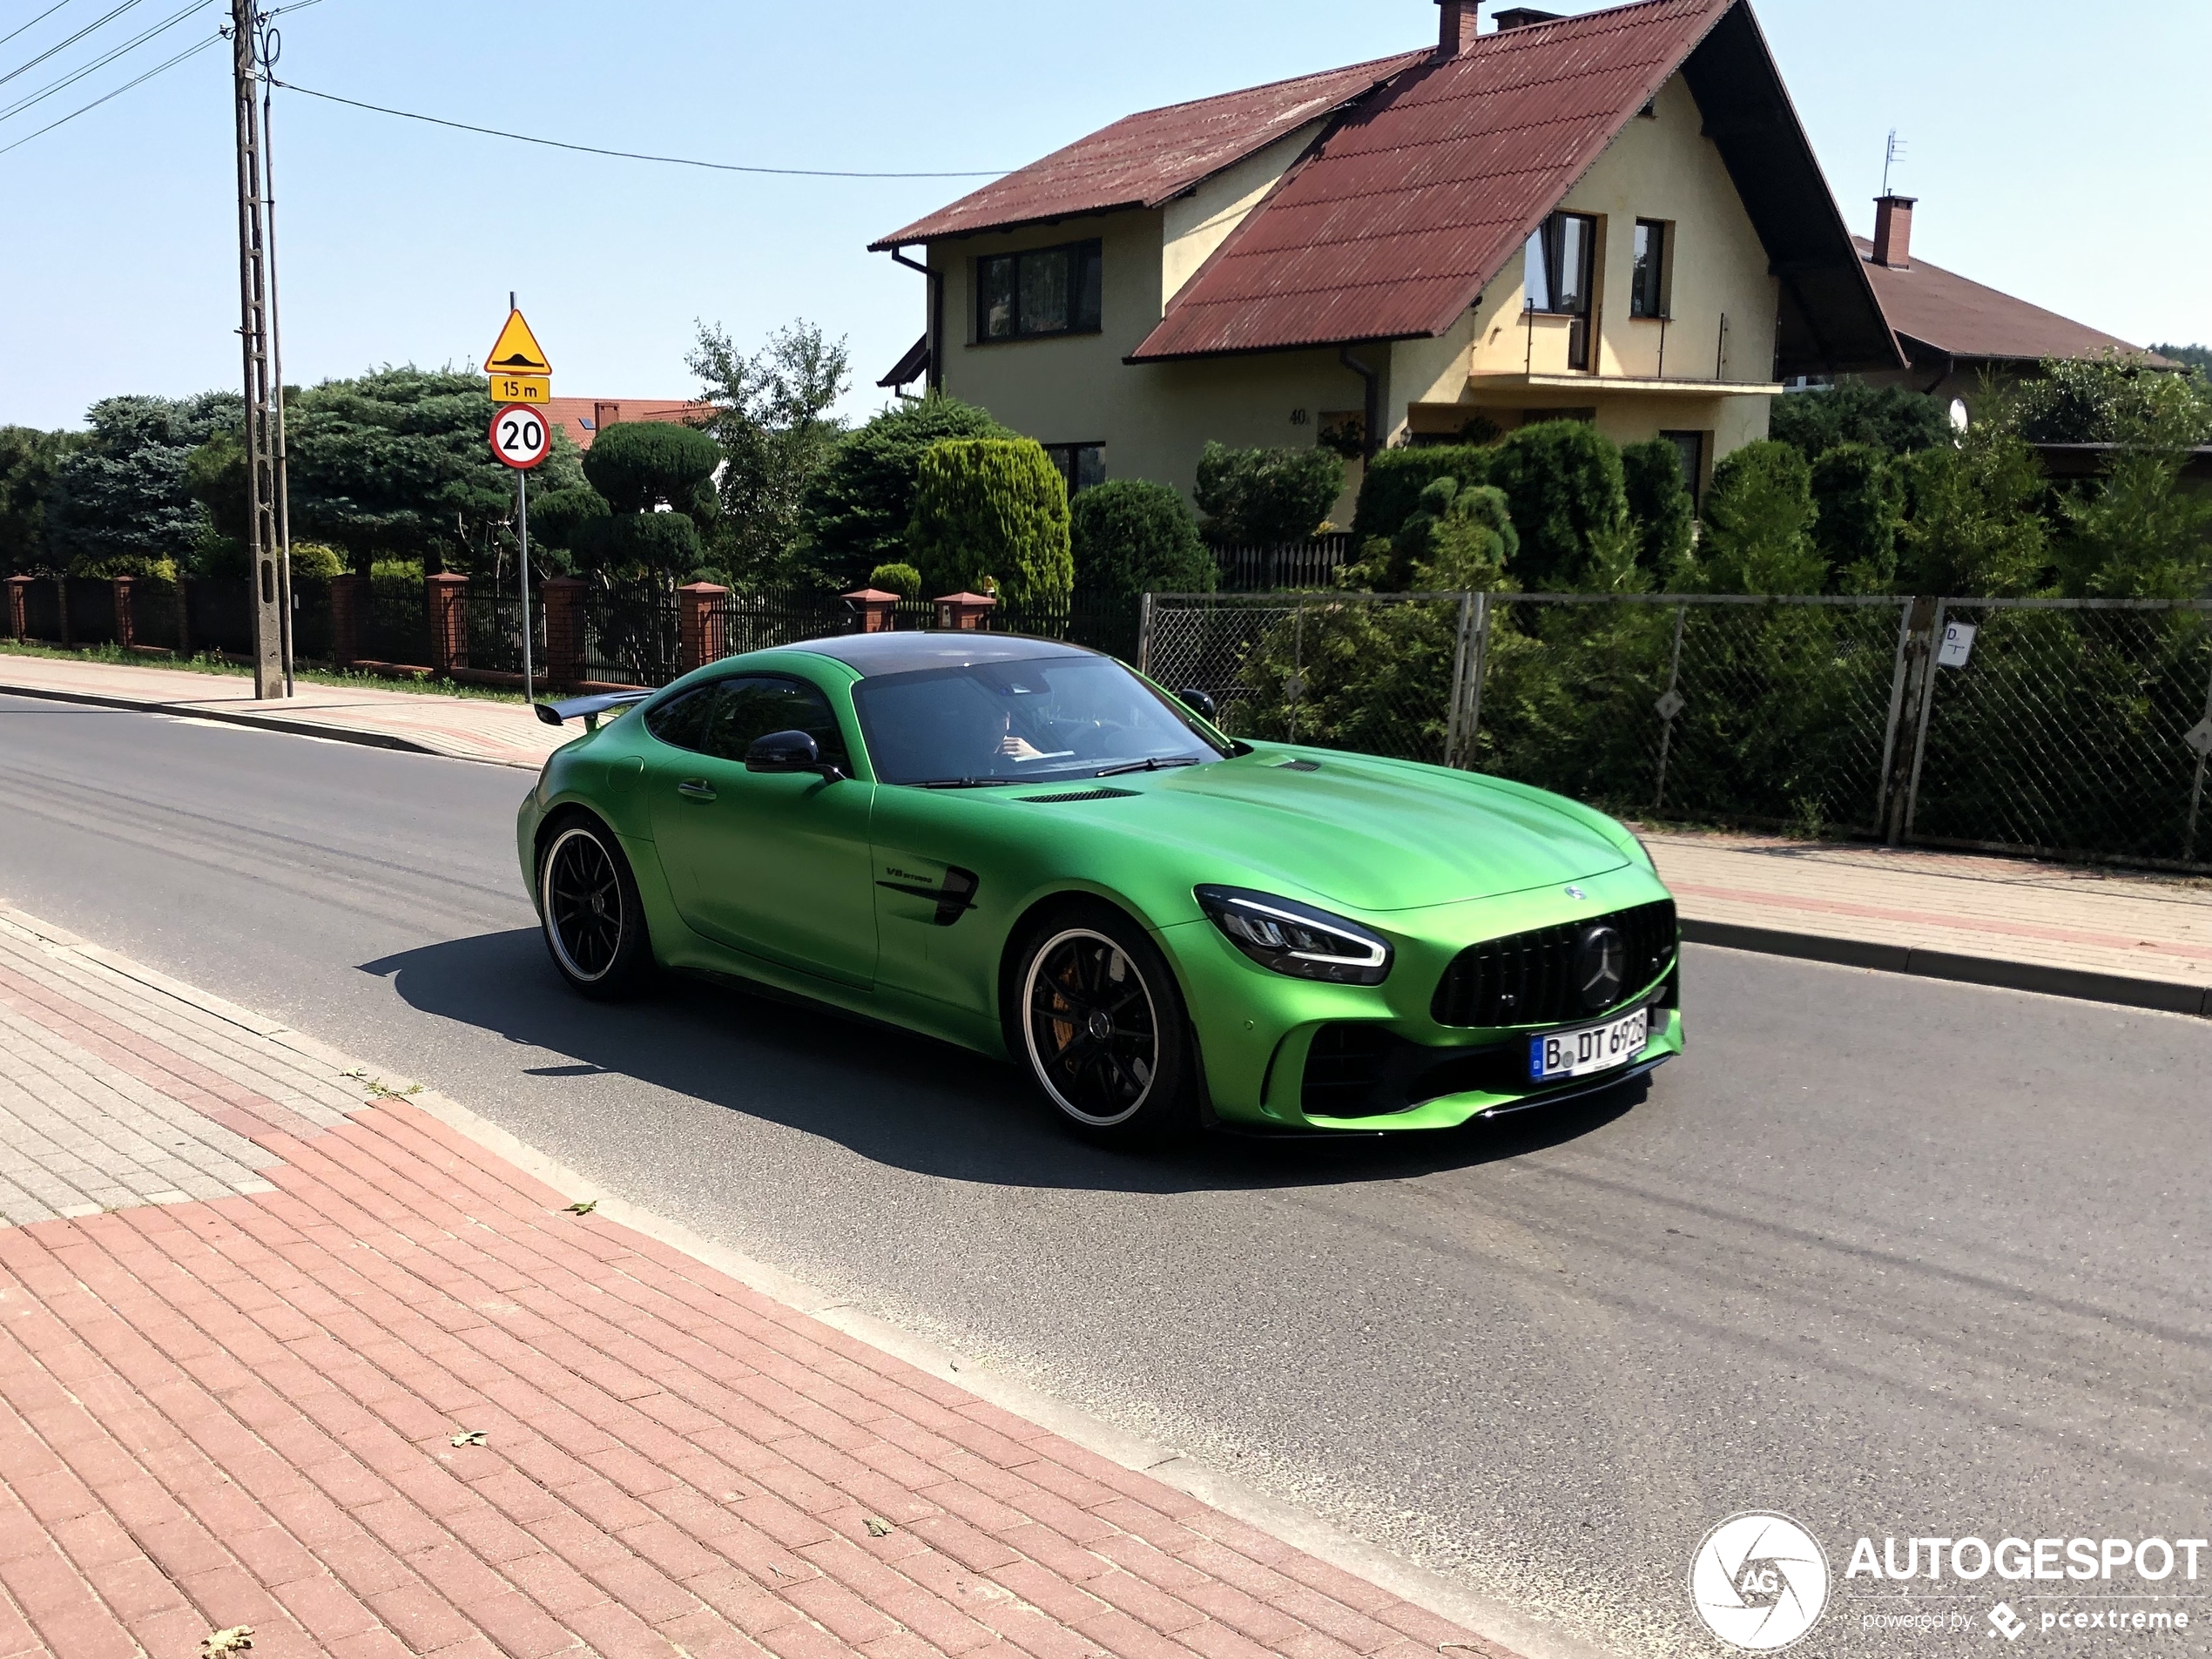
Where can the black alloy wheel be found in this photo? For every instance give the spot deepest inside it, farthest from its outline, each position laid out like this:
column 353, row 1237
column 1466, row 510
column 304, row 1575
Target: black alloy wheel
column 595, row 927
column 1103, row 1029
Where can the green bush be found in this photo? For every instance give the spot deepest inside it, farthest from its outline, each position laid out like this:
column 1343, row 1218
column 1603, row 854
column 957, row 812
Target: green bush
column 556, row 519
column 661, row 548
column 1758, row 524
column 1974, row 518
column 1895, row 419
column 1261, row 497
column 1130, row 536
column 1390, row 492
column 901, row 579
column 1860, row 502
column 992, row 507
column 1661, row 508
column 1568, row 497
column 859, row 506
column 637, row 466
column 1456, row 541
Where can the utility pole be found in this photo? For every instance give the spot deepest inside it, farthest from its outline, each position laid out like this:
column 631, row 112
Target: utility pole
column 265, row 482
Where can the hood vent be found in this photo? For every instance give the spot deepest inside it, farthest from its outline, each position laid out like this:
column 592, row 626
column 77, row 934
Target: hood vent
column 1082, row 794
column 1299, row 765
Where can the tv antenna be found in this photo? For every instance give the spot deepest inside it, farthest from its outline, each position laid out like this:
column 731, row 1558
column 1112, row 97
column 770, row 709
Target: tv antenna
column 1895, row 154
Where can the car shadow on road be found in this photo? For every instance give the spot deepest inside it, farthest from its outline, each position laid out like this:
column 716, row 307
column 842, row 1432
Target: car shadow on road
column 903, row 1100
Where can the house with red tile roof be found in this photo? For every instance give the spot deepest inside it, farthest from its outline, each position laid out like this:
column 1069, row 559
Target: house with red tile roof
column 584, row 418
column 1615, row 216
column 1957, row 335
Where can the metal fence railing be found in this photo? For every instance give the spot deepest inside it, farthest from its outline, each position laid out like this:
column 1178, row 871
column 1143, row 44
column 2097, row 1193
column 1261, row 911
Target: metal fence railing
column 2080, row 728
column 1274, row 567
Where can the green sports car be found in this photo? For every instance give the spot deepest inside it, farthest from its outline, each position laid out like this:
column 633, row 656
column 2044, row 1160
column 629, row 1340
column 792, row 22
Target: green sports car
column 1027, row 849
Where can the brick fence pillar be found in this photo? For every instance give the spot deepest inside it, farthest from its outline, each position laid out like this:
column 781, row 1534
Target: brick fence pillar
column 701, row 623
column 878, row 610
column 446, row 598
column 348, row 592
column 967, row 611
column 18, row 606
column 562, row 598
column 126, row 622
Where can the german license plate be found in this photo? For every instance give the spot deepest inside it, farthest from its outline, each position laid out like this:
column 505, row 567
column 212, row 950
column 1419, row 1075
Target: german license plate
column 1593, row 1049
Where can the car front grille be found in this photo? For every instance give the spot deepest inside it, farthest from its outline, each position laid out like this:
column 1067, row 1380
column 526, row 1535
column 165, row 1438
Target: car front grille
column 1528, row 979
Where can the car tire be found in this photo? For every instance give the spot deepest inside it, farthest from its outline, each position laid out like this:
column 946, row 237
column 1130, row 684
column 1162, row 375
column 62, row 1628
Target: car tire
column 593, row 920
column 1095, row 1018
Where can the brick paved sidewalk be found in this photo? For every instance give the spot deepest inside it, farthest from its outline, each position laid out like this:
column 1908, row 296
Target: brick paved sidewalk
column 463, row 728
column 278, row 1349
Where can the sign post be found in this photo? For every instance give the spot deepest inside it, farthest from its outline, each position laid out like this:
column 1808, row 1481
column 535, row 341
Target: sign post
column 522, row 435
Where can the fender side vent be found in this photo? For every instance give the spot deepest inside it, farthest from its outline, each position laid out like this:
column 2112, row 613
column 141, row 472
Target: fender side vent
column 1082, row 794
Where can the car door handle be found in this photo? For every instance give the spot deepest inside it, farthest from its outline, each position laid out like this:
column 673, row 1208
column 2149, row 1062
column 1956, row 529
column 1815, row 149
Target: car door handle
column 695, row 789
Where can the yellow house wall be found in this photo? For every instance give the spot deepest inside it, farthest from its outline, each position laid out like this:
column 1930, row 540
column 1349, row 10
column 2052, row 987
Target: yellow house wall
column 1194, row 226
column 1153, row 419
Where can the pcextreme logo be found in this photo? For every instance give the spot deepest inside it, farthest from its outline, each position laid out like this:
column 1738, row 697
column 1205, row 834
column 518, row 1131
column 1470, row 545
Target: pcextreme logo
column 1759, row 1581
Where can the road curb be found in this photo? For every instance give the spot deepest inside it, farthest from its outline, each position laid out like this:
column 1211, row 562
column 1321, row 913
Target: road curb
column 262, row 722
column 1522, row 1636
column 2164, row 996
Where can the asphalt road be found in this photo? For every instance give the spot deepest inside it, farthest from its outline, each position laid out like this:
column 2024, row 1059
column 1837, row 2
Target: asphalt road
column 1890, row 1256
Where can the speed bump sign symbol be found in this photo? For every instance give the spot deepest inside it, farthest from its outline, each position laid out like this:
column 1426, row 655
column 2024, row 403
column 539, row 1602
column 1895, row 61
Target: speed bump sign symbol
column 521, row 436
column 1759, row 1581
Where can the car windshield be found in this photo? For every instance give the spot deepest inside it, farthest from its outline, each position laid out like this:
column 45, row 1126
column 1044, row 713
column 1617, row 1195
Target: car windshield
column 1009, row 723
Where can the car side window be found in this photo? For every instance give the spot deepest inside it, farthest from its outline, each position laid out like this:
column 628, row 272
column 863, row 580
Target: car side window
column 749, row 707
column 683, row 721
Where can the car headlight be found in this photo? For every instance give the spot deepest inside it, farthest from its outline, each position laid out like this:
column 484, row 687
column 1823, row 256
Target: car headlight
column 1296, row 939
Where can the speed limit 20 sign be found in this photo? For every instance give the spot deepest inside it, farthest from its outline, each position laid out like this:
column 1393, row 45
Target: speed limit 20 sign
column 521, row 436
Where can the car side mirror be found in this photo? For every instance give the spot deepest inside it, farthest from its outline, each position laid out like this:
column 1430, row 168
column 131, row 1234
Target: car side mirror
column 1198, row 702
column 788, row 751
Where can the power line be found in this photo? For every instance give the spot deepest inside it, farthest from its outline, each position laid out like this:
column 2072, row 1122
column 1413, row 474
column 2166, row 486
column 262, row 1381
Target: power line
column 158, row 69
column 622, row 155
column 34, row 23
column 66, row 44
column 128, row 46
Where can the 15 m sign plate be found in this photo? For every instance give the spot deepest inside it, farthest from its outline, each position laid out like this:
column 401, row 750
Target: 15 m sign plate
column 1592, row 1049
column 521, row 436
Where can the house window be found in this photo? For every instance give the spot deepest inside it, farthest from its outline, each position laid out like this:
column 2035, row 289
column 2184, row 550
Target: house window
column 1560, row 257
column 1081, row 465
column 1691, row 445
column 1044, row 292
column 1647, row 283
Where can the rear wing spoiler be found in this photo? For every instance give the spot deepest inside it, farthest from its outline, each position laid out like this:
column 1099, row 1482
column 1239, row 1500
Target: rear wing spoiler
column 589, row 709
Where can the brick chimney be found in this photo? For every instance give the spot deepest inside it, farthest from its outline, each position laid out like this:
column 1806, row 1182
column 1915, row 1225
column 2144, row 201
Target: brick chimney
column 1456, row 29
column 1893, row 231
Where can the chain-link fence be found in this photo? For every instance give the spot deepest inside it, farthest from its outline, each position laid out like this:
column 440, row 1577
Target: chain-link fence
column 2075, row 727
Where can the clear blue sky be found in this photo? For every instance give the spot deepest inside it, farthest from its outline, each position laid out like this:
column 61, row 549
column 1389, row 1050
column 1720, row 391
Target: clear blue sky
column 2059, row 151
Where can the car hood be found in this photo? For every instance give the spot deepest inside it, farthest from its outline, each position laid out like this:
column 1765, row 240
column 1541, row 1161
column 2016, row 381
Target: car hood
column 1369, row 834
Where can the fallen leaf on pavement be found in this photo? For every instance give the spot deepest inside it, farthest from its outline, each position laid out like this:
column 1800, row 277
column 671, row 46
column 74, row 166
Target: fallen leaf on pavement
column 879, row 1528
column 470, row 1437
column 583, row 1206
column 237, row 1639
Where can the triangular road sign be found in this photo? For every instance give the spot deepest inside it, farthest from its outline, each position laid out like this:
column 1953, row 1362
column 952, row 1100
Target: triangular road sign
column 517, row 351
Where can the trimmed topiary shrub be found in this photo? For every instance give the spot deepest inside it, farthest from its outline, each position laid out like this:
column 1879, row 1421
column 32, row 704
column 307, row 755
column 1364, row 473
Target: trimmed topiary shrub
column 1859, row 502
column 637, row 466
column 1758, row 524
column 660, row 547
column 901, row 579
column 1130, row 536
column 1563, row 482
column 992, row 507
column 1391, row 491
column 1661, row 508
column 1260, row 497
column 859, row 506
column 555, row 518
